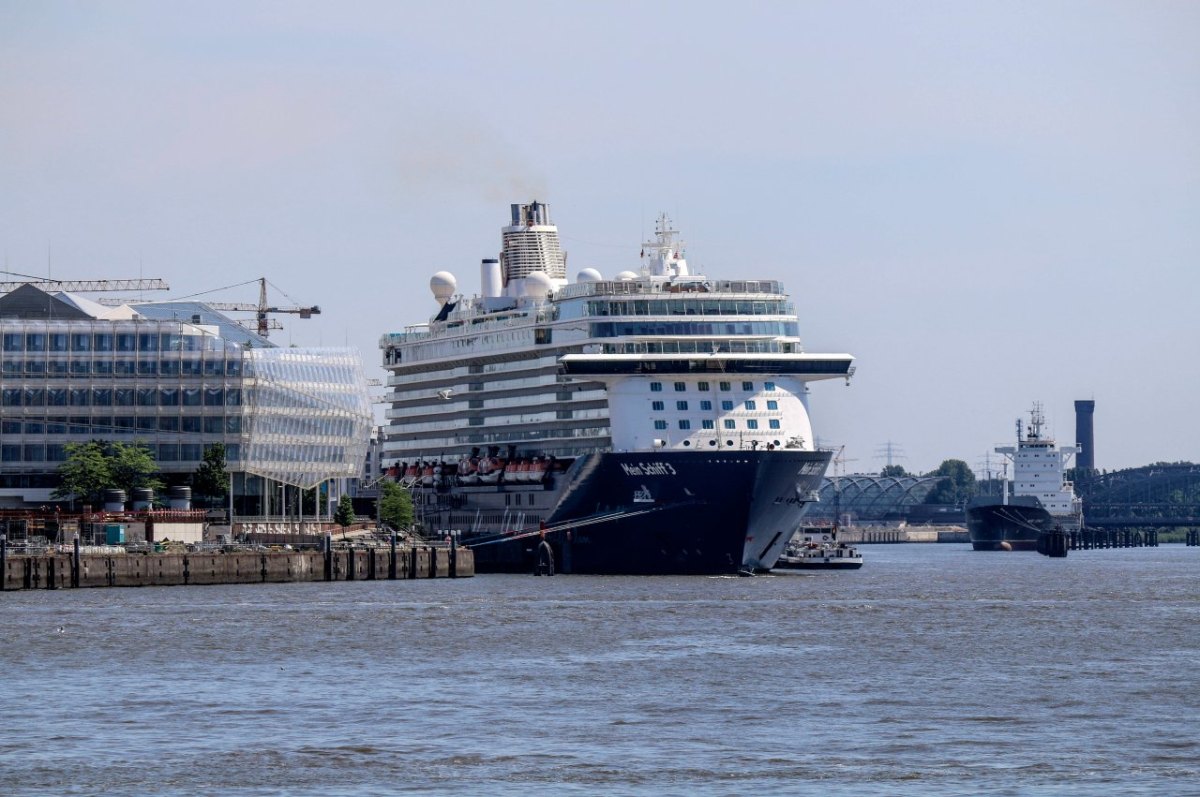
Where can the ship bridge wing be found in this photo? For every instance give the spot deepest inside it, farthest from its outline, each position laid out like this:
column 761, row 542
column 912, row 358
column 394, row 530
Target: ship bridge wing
column 809, row 367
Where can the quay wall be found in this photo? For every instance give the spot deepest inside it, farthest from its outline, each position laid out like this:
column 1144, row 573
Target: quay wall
column 60, row 571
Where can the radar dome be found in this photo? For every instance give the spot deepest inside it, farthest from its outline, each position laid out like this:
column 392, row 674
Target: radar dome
column 626, row 276
column 538, row 285
column 588, row 275
column 443, row 285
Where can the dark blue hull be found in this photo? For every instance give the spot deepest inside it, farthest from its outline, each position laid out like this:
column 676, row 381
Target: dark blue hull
column 1013, row 526
column 667, row 512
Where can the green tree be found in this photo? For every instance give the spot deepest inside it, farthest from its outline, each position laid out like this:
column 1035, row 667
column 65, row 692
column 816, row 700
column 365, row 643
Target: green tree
column 344, row 514
column 893, row 470
column 211, row 479
column 85, row 472
column 132, row 466
column 956, row 484
column 395, row 505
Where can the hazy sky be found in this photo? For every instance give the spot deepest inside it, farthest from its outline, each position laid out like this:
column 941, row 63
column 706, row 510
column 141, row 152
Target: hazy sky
column 987, row 203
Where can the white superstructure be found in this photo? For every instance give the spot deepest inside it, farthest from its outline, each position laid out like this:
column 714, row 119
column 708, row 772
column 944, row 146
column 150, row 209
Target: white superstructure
column 657, row 358
column 1039, row 468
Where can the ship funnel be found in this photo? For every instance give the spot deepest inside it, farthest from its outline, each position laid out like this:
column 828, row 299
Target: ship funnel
column 1085, row 460
column 491, row 280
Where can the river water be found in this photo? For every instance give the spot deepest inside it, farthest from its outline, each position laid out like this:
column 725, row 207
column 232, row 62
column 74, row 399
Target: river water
column 933, row 670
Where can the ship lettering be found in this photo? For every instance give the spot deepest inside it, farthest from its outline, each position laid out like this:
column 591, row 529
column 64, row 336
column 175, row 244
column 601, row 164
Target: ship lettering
column 648, row 469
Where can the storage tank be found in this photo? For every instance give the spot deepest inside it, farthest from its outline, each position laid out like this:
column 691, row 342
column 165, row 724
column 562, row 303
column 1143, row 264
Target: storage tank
column 114, row 500
column 179, row 497
column 143, row 499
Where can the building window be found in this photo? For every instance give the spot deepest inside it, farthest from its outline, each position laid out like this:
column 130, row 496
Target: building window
column 768, row 385
column 747, row 385
column 706, row 423
column 657, row 406
column 706, row 405
column 726, row 405
column 773, row 423
column 750, row 405
column 680, row 387
column 725, row 386
column 729, row 424
column 660, row 424
column 685, row 424
column 681, row 405
column 751, row 424
column 703, row 387
column 772, row 404
column 656, row 387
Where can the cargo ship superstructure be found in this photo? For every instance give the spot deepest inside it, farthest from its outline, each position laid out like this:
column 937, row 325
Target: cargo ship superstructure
column 1041, row 498
column 651, row 422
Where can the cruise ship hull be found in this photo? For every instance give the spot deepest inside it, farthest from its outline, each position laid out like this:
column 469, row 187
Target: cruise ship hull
column 662, row 512
column 1013, row 526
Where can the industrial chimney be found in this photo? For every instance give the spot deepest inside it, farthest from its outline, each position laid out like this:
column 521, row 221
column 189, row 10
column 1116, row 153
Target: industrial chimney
column 1085, row 460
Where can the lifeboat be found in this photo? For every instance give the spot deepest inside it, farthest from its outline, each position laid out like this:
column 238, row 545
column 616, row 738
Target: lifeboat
column 411, row 474
column 489, row 470
column 427, row 475
column 537, row 471
column 467, row 471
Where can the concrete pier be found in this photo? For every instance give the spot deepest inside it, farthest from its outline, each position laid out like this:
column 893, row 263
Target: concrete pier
column 75, row 570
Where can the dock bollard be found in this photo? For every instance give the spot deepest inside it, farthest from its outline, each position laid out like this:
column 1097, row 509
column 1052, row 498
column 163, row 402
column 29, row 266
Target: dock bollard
column 392, row 560
column 328, row 545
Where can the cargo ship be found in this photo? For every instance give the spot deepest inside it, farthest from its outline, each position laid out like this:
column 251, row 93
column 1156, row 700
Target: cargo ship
column 651, row 422
column 1041, row 498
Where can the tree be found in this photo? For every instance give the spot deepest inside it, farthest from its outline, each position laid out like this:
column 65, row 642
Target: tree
column 956, row 485
column 893, row 470
column 344, row 515
column 85, row 473
column 132, row 467
column 395, row 505
column 211, row 479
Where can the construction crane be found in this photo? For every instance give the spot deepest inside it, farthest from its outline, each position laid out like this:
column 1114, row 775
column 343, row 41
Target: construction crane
column 264, row 323
column 83, row 286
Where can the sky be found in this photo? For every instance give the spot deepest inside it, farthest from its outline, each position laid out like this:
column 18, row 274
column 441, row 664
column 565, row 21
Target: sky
column 986, row 203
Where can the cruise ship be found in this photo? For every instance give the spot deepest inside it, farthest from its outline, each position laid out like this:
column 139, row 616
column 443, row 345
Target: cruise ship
column 651, row 422
column 1041, row 498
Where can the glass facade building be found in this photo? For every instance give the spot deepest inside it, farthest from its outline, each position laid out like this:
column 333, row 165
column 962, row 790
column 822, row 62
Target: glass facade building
column 72, row 371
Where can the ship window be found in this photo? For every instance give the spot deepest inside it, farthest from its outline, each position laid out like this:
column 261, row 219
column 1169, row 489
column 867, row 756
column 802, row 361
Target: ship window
column 729, row 424
column 685, row 424
column 751, row 424
column 656, row 387
column 772, row 405
column 703, row 387
column 768, row 385
column 726, row 405
column 750, row 405
column 747, row 385
column 657, row 406
column 681, row 405
column 706, row 405
column 541, row 335
column 660, row 424
column 712, row 442
column 706, row 423
column 773, row 423
column 680, row 387
column 724, row 385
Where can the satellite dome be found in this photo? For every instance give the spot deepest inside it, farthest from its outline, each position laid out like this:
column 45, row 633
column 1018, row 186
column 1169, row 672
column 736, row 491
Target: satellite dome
column 626, row 276
column 443, row 286
column 538, row 285
column 588, row 275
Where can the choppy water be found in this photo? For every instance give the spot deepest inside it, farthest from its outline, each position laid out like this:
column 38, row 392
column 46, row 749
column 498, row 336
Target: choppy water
column 933, row 670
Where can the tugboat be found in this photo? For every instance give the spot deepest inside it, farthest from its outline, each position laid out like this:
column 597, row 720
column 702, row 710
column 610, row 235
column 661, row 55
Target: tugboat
column 819, row 551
